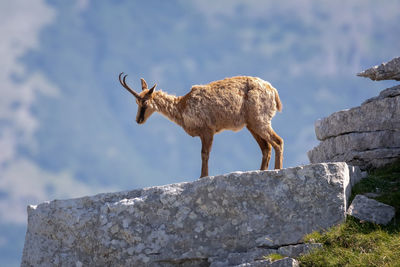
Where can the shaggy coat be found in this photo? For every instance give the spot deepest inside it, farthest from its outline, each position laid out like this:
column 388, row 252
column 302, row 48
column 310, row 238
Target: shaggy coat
column 228, row 104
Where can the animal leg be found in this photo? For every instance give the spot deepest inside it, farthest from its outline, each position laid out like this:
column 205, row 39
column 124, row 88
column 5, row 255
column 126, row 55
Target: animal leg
column 206, row 143
column 265, row 149
column 277, row 143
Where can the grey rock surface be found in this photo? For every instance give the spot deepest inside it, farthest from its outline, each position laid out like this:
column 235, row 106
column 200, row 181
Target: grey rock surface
column 367, row 136
column 371, row 210
column 238, row 258
column 380, row 114
column 188, row 224
column 369, row 159
column 361, row 141
column 364, row 149
column 386, row 71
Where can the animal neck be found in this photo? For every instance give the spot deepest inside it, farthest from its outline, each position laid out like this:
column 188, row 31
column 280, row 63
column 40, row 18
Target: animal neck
column 167, row 105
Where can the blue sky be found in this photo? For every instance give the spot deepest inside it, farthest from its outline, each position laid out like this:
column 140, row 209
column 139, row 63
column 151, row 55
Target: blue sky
column 67, row 127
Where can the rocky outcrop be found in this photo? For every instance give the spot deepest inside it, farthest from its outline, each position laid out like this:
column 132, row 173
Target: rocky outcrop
column 370, row 210
column 367, row 136
column 200, row 223
column 386, row 71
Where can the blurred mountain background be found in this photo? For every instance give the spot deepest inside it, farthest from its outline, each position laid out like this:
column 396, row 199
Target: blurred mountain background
column 67, row 127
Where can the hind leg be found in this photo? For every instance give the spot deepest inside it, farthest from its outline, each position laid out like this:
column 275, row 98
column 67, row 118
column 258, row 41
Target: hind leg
column 277, row 143
column 265, row 149
column 269, row 135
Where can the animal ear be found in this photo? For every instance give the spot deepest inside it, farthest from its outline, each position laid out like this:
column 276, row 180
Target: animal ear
column 152, row 89
column 144, row 84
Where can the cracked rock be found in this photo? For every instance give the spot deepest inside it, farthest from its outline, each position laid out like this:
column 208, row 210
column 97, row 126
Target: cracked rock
column 366, row 136
column 380, row 114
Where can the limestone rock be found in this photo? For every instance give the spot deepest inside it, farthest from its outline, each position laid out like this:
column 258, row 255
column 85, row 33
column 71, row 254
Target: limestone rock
column 355, row 176
column 376, row 114
column 371, row 210
column 367, row 136
column 238, row 258
column 188, row 224
column 365, row 149
column 386, row 71
column 361, row 141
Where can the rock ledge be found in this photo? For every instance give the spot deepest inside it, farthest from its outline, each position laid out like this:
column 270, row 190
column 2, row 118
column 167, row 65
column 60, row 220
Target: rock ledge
column 367, row 136
column 189, row 224
column 386, row 71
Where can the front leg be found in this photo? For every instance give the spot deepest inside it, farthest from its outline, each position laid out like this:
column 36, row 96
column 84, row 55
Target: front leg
column 206, row 143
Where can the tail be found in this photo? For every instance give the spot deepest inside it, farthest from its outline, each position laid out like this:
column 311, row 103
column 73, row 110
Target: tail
column 278, row 102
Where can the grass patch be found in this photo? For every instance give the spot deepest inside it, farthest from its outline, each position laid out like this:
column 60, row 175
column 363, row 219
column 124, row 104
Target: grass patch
column 356, row 243
column 274, row 257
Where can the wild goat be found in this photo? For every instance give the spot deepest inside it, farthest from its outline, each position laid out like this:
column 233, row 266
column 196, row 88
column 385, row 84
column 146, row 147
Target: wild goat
column 228, row 104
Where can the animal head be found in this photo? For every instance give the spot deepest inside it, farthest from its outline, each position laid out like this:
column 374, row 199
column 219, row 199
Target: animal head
column 143, row 99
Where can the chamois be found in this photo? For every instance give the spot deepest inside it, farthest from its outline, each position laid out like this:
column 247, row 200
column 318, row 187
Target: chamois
column 228, row 104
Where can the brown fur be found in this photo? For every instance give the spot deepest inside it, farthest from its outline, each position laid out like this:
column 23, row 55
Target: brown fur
column 228, row 104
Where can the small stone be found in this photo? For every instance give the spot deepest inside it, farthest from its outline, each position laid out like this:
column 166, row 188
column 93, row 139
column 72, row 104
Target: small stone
column 370, row 210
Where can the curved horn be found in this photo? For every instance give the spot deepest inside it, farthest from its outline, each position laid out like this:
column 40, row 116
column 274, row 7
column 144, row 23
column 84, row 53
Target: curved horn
column 123, row 83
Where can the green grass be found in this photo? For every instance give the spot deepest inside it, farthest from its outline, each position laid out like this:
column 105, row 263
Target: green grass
column 356, row 243
column 274, row 257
